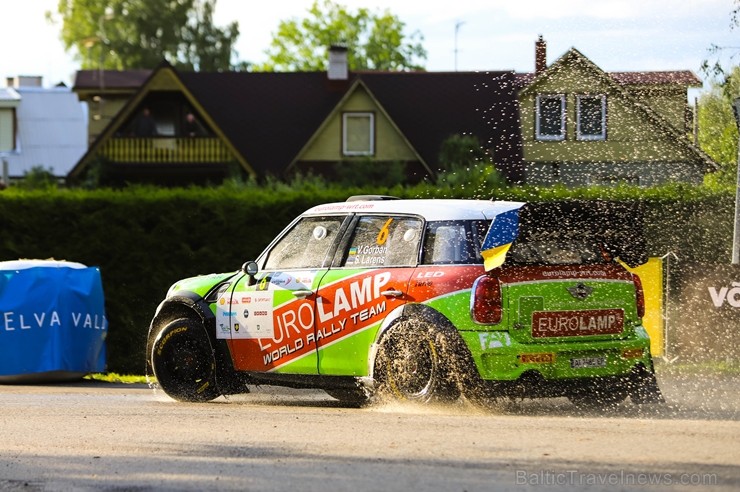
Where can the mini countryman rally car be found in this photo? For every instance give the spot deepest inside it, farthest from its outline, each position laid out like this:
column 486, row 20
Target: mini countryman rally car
column 420, row 300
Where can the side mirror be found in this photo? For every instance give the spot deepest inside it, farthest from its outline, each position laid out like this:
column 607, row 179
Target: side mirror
column 250, row 268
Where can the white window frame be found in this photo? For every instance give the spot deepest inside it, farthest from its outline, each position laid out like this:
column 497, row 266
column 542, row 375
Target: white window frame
column 539, row 135
column 579, row 134
column 345, row 134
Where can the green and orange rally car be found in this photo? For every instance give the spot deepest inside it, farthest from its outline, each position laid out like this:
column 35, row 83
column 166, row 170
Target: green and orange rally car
column 422, row 300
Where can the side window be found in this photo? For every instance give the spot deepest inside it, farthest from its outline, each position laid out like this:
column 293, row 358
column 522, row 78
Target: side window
column 591, row 117
column 358, row 134
column 307, row 245
column 454, row 242
column 382, row 241
column 550, row 118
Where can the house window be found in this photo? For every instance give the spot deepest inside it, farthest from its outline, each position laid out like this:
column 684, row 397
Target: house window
column 550, row 119
column 358, row 134
column 591, row 117
column 7, row 129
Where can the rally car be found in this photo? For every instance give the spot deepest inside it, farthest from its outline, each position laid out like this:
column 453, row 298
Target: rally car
column 422, row 300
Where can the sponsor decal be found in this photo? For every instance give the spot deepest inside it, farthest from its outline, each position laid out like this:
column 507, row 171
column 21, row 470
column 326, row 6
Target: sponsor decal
column 343, row 207
column 580, row 291
column 12, row 321
column 167, row 337
column 254, row 322
column 546, row 358
column 729, row 295
column 384, row 233
column 304, row 325
column 585, row 272
column 577, row 323
column 493, row 340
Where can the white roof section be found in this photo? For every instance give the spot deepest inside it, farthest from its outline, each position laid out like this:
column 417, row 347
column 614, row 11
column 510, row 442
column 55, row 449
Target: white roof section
column 15, row 265
column 52, row 131
column 9, row 98
column 429, row 209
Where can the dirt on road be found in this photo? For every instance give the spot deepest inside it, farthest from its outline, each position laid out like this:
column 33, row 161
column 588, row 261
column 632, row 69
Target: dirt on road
column 113, row 437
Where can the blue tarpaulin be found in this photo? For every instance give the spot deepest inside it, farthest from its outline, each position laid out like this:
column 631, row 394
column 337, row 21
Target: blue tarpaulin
column 52, row 320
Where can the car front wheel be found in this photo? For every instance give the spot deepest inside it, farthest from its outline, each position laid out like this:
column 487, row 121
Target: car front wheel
column 183, row 361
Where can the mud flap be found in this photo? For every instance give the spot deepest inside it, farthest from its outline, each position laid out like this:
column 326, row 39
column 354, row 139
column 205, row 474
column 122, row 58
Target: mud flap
column 643, row 388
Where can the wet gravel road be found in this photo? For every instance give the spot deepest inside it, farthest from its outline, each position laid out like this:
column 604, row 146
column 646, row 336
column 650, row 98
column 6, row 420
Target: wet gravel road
column 114, row 437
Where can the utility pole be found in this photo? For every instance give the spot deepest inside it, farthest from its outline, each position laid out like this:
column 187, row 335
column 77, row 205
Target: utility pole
column 736, row 233
column 458, row 24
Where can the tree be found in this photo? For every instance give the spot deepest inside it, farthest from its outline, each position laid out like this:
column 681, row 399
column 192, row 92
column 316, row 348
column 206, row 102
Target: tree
column 715, row 68
column 373, row 41
column 136, row 34
column 717, row 128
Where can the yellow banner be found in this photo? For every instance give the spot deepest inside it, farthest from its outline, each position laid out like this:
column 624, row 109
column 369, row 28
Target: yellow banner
column 651, row 275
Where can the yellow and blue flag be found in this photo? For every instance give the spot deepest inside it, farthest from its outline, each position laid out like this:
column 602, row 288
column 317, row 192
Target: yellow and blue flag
column 501, row 234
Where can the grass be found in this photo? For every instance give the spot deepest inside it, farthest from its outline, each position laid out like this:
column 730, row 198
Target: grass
column 112, row 377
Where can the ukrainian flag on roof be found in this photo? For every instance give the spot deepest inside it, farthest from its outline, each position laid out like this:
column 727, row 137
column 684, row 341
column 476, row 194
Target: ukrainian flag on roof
column 501, row 234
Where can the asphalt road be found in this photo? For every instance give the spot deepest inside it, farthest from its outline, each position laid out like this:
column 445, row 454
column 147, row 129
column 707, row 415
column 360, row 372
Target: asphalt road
column 114, row 437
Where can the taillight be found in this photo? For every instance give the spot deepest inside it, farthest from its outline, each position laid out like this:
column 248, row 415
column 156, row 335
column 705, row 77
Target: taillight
column 639, row 295
column 485, row 307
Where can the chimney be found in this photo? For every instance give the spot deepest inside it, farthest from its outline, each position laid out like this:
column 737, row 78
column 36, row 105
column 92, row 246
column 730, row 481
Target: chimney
column 24, row 81
column 540, row 55
column 338, row 69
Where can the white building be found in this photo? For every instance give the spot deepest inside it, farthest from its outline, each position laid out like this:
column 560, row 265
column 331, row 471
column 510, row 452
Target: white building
column 40, row 127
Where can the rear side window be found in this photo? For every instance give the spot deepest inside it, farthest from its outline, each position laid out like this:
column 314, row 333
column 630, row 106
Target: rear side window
column 454, row 242
column 383, row 241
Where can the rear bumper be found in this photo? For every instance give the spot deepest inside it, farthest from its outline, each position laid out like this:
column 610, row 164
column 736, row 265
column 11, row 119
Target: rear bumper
column 639, row 384
column 500, row 358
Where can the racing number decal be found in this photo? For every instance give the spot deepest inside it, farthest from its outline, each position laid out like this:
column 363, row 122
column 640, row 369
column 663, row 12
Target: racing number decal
column 384, row 233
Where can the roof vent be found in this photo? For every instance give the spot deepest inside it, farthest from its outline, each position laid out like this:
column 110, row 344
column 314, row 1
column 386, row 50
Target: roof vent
column 338, row 69
column 24, row 81
column 370, row 198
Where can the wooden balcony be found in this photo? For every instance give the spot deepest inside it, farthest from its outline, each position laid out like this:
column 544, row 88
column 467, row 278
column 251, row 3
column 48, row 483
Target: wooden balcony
column 164, row 150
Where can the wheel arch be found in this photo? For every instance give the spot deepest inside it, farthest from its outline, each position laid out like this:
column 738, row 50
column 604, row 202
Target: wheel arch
column 458, row 353
column 192, row 306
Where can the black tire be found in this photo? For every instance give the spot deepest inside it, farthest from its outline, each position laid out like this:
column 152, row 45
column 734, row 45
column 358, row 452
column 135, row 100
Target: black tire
column 183, row 362
column 411, row 365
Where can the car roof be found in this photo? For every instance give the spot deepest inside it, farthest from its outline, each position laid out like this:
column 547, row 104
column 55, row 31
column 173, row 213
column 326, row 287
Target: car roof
column 429, row 209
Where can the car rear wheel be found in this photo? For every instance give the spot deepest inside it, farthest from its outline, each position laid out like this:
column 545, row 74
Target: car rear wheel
column 183, row 362
column 410, row 365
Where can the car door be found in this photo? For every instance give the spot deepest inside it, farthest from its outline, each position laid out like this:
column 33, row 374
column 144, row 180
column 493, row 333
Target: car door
column 369, row 280
column 271, row 317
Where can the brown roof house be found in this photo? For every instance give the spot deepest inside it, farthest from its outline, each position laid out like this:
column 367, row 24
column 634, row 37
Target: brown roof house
column 583, row 126
column 196, row 127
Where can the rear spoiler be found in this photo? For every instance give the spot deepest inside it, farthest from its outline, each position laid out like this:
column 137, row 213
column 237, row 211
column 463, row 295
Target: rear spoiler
column 618, row 225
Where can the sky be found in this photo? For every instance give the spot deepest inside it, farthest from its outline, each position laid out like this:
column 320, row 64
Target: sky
column 465, row 35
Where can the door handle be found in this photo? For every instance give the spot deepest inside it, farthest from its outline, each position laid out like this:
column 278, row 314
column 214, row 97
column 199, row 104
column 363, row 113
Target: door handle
column 302, row 293
column 392, row 293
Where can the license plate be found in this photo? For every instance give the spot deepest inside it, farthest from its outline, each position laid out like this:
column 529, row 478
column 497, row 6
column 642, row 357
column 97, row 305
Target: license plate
column 587, row 362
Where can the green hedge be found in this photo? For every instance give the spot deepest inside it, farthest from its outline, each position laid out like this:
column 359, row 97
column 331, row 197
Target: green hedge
column 144, row 239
